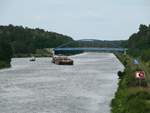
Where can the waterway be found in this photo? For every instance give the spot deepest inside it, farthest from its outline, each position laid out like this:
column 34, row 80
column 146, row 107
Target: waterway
column 43, row 87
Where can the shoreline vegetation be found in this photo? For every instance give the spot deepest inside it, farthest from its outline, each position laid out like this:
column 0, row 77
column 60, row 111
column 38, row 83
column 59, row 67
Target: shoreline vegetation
column 5, row 53
column 26, row 41
column 131, row 96
column 4, row 64
column 38, row 53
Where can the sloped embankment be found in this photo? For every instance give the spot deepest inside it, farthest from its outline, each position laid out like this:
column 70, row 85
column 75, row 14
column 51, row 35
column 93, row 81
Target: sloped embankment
column 131, row 96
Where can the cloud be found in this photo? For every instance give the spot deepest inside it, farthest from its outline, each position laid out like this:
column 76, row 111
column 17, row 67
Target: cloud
column 109, row 19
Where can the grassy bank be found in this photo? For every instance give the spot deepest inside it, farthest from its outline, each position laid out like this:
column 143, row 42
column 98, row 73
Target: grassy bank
column 38, row 53
column 29, row 55
column 132, row 96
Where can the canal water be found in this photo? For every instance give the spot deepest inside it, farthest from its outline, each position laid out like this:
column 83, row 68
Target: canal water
column 42, row 87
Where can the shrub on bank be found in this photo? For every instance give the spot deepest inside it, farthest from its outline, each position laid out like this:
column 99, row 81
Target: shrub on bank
column 4, row 64
column 121, row 74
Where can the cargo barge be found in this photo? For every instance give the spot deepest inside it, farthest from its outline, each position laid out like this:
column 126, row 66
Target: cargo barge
column 62, row 60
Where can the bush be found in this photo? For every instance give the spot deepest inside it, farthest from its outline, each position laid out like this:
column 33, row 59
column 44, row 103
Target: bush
column 5, row 51
column 4, row 64
column 138, row 100
column 145, row 56
column 120, row 74
column 135, row 101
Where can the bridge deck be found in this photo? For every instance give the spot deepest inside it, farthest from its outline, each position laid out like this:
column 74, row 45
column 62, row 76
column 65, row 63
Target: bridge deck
column 90, row 49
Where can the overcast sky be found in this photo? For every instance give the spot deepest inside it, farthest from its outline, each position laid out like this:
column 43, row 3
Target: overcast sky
column 94, row 19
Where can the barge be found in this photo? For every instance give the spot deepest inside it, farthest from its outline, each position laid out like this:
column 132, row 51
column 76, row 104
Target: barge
column 62, row 60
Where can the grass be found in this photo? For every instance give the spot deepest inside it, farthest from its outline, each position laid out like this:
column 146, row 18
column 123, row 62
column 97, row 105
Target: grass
column 130, row 97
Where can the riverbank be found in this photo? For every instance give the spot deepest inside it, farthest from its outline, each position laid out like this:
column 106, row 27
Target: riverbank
column 29, row 55
column 44, row 54
column 4, row 64
column 131, row 97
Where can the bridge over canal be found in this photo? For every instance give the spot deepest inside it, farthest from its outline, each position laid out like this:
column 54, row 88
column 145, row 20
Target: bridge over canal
column 65, row 48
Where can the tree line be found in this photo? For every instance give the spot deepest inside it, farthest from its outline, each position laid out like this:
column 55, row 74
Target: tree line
column 139, row 43
column 25, row 40
column 5, row 53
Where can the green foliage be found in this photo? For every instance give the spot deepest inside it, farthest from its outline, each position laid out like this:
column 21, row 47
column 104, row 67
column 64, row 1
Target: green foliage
column 139, row 43
column 126, row 101
column 130, row 97
column 146, row 55
column 5, row 53
column 27, row 41
column 100, row 43
column 121, row 74
column 42, row 53
column 4, row 64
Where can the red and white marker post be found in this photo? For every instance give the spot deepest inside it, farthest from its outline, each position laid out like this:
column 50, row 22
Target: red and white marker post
column 140, row 75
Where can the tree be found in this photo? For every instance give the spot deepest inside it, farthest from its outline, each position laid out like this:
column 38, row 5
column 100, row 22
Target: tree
column 139, row 43
column 5, row 51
